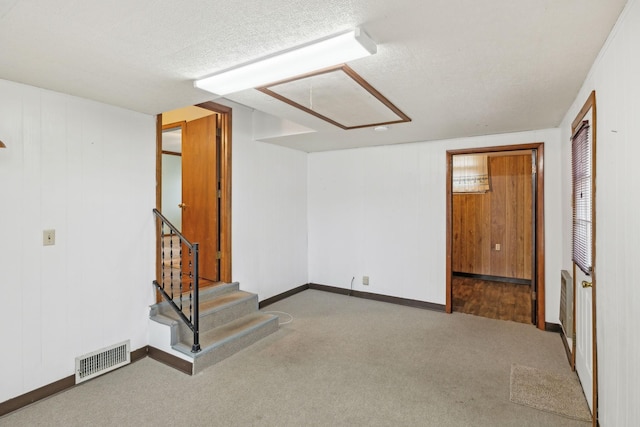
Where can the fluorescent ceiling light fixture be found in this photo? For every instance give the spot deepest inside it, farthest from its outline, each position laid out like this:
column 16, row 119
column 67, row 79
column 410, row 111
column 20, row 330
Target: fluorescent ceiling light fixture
column 323, row 53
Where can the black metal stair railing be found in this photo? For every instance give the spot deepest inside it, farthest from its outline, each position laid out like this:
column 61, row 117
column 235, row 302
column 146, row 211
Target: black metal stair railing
column 178, row 283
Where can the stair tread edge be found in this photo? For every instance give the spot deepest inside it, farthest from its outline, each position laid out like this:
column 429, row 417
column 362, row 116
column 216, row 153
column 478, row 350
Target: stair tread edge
column 226, row 333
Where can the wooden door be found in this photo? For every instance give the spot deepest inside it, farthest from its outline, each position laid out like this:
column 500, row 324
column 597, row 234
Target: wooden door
column 200, row 192
column 532, row 237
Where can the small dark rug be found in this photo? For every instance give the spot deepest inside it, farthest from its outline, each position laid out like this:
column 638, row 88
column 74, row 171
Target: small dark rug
column 558, row 394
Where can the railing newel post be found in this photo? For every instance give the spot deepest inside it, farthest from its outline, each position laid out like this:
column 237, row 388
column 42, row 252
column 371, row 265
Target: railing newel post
column 196, row 300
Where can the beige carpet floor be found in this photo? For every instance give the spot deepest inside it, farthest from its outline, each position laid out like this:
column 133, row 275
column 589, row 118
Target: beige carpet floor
column 341, row 361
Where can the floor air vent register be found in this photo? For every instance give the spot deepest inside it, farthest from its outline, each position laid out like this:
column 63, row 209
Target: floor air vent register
column 566, row 303
column 102, row 361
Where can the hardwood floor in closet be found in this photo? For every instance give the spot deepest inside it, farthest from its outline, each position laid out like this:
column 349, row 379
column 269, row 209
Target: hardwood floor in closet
column 496, row 300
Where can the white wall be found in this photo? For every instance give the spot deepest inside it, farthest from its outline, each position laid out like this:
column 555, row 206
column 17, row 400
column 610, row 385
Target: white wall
column 615, row 76
column 84, row 169
column 381, row 212
column 172, row 189
column 269, row 205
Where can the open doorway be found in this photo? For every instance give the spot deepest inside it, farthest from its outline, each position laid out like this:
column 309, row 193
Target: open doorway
column 194, row 184
column 495, row 259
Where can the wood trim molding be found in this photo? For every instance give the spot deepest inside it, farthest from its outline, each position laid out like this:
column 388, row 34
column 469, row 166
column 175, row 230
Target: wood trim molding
column 589, row 103
column 158, row 200
column 567, row 350
column 225, row 186
column 449, row 235
column 181, row 124
column 214, row 106
column 358, row 294
column 159, row 152
column 175, row 362
column 171, row 153
column 379, row 297
column 331, row 289
column 225, row 235
column 225, row 125
column 573, row 315
column 139, row 354
column 540, row 248
column 553, row 327
column 37, row 394
column 55, row 387
column 539, row 218
column 279, row 297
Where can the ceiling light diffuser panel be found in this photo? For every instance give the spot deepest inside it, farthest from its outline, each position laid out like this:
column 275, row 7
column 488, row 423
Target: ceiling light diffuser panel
column 339, row 96
column 304, row 59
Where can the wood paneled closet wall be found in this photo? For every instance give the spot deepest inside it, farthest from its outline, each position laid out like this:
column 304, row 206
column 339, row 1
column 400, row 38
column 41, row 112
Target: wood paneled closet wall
column 502, row 217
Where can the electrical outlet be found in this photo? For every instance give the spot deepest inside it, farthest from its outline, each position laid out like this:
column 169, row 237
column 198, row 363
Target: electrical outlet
column 497, row 246
column 48, row 237
column 365, row 280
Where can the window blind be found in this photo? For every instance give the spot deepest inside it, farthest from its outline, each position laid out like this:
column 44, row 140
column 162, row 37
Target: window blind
column 581, row 174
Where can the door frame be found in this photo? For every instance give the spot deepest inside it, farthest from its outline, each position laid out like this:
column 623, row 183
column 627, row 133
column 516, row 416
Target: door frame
column 538, row 269
column 225, row 122
column 589, row 105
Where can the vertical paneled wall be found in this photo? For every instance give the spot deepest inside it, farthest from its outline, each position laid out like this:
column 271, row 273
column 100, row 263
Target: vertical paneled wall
column 615, row 76
column 86, row 170
column 269, row 212
column 501, row 217
column 381, row 212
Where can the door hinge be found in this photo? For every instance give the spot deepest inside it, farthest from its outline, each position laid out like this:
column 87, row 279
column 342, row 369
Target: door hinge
column 218, row 132
column 534, row 295
column 218, row 255
column 533, row 169
column 219, row 194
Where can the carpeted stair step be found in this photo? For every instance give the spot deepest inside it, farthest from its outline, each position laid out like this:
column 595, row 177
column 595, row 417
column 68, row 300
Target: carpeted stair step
column 220, row 310
column 206, row 294
column 229, row 321
column 218, row 305
column 223, row 341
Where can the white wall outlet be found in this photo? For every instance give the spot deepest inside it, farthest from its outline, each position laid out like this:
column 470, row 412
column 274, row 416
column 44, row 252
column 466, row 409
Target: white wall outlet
column 497, row 246
column 365, row 280
column 48, row 237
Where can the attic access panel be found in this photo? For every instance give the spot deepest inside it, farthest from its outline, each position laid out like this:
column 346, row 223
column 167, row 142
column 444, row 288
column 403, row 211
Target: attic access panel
column 339, row 96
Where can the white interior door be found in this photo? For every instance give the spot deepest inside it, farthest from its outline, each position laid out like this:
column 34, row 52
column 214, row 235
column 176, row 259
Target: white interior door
column 584, row 344
column 584, row 212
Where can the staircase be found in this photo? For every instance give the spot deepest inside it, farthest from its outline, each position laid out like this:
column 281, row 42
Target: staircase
column 229, row 322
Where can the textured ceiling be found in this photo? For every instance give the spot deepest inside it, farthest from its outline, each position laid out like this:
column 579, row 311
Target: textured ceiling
column 457, row 68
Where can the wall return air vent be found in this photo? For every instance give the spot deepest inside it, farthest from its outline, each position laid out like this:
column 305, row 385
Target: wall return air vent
column 102, row 361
